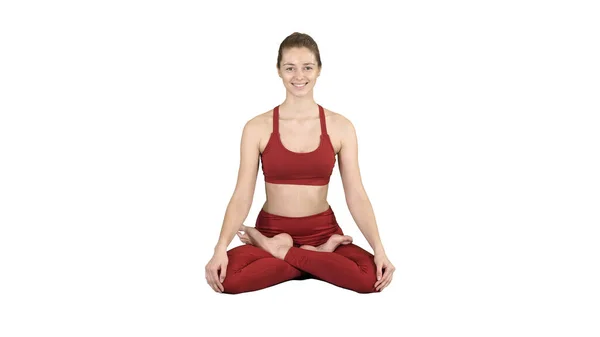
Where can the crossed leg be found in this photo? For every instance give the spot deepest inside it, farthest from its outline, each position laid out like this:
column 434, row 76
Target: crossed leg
column 338, row 261
column 251, row 268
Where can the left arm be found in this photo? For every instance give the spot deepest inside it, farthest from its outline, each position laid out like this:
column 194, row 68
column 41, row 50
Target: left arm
column 357, row 200
column 359, row 204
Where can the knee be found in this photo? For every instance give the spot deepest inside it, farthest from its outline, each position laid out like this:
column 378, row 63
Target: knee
column 233, row 285
column 366, row 289
column 366, row 283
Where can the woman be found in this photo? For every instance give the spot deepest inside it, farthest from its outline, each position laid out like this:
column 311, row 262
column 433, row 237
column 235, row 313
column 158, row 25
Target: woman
column 296, row 235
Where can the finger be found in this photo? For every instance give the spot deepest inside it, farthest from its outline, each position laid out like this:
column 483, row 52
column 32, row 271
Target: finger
column 208, row 275
column 212, row 285
column 387, row 282
column 387, row 271
column 379, row 276
column 378, row 282
column 215, row 278
column 219, row 283
column 213, row 275
column 209, row 280
column 384, row 279
column 223, row 273
column 381, row 283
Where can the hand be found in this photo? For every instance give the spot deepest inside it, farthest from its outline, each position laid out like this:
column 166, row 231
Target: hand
column 218, row 263
column 382, row 262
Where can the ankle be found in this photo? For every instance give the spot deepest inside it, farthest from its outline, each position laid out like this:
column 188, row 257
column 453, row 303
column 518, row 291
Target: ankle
column 281, row 252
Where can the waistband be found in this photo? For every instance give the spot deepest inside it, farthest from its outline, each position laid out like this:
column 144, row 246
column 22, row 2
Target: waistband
column 265, row 214
column 311, row 230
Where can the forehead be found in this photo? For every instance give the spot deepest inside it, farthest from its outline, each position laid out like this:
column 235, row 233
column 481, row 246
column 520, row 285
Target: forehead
column 297, row 55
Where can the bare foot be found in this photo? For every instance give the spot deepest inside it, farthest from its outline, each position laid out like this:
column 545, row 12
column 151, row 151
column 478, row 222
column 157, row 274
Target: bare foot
column 243, row 235
column 277, row 246
column 332, row 243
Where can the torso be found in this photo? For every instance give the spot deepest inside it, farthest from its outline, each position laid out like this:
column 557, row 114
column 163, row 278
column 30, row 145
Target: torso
column 297, row 136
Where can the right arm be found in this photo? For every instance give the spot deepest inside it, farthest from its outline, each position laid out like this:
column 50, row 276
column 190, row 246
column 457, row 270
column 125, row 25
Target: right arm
column 241, row 201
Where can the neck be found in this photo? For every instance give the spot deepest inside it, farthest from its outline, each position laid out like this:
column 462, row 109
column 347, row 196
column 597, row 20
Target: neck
column 299, row 105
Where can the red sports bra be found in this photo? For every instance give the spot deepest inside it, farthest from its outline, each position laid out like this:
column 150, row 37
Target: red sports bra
column 282, row 166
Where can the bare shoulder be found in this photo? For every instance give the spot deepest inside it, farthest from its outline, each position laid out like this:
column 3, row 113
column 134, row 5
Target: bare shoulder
column 259, row 124
column 338, row 121
column 339, row 128
column 258, row 129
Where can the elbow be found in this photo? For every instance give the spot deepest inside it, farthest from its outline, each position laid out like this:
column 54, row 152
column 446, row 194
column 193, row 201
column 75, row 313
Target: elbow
column 356, row 196
column 356, row 202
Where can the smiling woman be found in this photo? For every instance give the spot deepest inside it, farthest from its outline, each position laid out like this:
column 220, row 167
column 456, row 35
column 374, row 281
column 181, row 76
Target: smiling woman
column 296, row 234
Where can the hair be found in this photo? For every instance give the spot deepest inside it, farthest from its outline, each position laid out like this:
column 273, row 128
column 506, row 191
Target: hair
column 298, row 40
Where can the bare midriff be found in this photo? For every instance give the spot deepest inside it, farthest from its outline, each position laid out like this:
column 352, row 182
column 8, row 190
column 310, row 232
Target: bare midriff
column 295, row 200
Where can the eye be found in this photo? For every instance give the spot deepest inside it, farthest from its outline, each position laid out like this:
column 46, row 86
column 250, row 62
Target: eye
column 288, row 69
column 308, row 68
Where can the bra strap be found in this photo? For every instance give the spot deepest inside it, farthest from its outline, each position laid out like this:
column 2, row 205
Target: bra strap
column 276, row 120
column 322, row 118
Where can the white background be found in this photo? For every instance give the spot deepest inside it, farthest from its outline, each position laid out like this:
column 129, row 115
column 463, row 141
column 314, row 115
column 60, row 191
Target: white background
column 478, row 144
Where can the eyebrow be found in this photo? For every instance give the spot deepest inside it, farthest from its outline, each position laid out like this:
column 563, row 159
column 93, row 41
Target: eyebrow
column 292, row 64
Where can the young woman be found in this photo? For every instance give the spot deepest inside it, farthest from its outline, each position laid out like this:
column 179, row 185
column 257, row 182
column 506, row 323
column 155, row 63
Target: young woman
column 296, row 235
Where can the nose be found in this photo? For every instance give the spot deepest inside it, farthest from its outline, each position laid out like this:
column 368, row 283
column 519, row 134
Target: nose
column 298, row 74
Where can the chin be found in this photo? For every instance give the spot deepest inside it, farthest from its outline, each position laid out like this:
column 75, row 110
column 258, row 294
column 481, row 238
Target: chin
column 294, row 91
column 300, row 94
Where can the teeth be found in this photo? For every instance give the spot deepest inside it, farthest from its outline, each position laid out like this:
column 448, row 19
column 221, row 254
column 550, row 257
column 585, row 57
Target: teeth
column 299, row 85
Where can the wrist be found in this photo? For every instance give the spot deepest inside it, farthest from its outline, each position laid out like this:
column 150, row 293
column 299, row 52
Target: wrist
column 220, row 248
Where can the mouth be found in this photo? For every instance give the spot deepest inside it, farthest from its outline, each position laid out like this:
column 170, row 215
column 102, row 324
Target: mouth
column 300, row 85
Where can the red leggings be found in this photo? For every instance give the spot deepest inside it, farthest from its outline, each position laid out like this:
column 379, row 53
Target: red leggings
column 251, row 268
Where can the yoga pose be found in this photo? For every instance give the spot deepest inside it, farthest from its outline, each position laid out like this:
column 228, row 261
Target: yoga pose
column 296, row 234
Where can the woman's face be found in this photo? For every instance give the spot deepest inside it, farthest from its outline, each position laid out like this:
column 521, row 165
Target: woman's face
column 298, row 70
